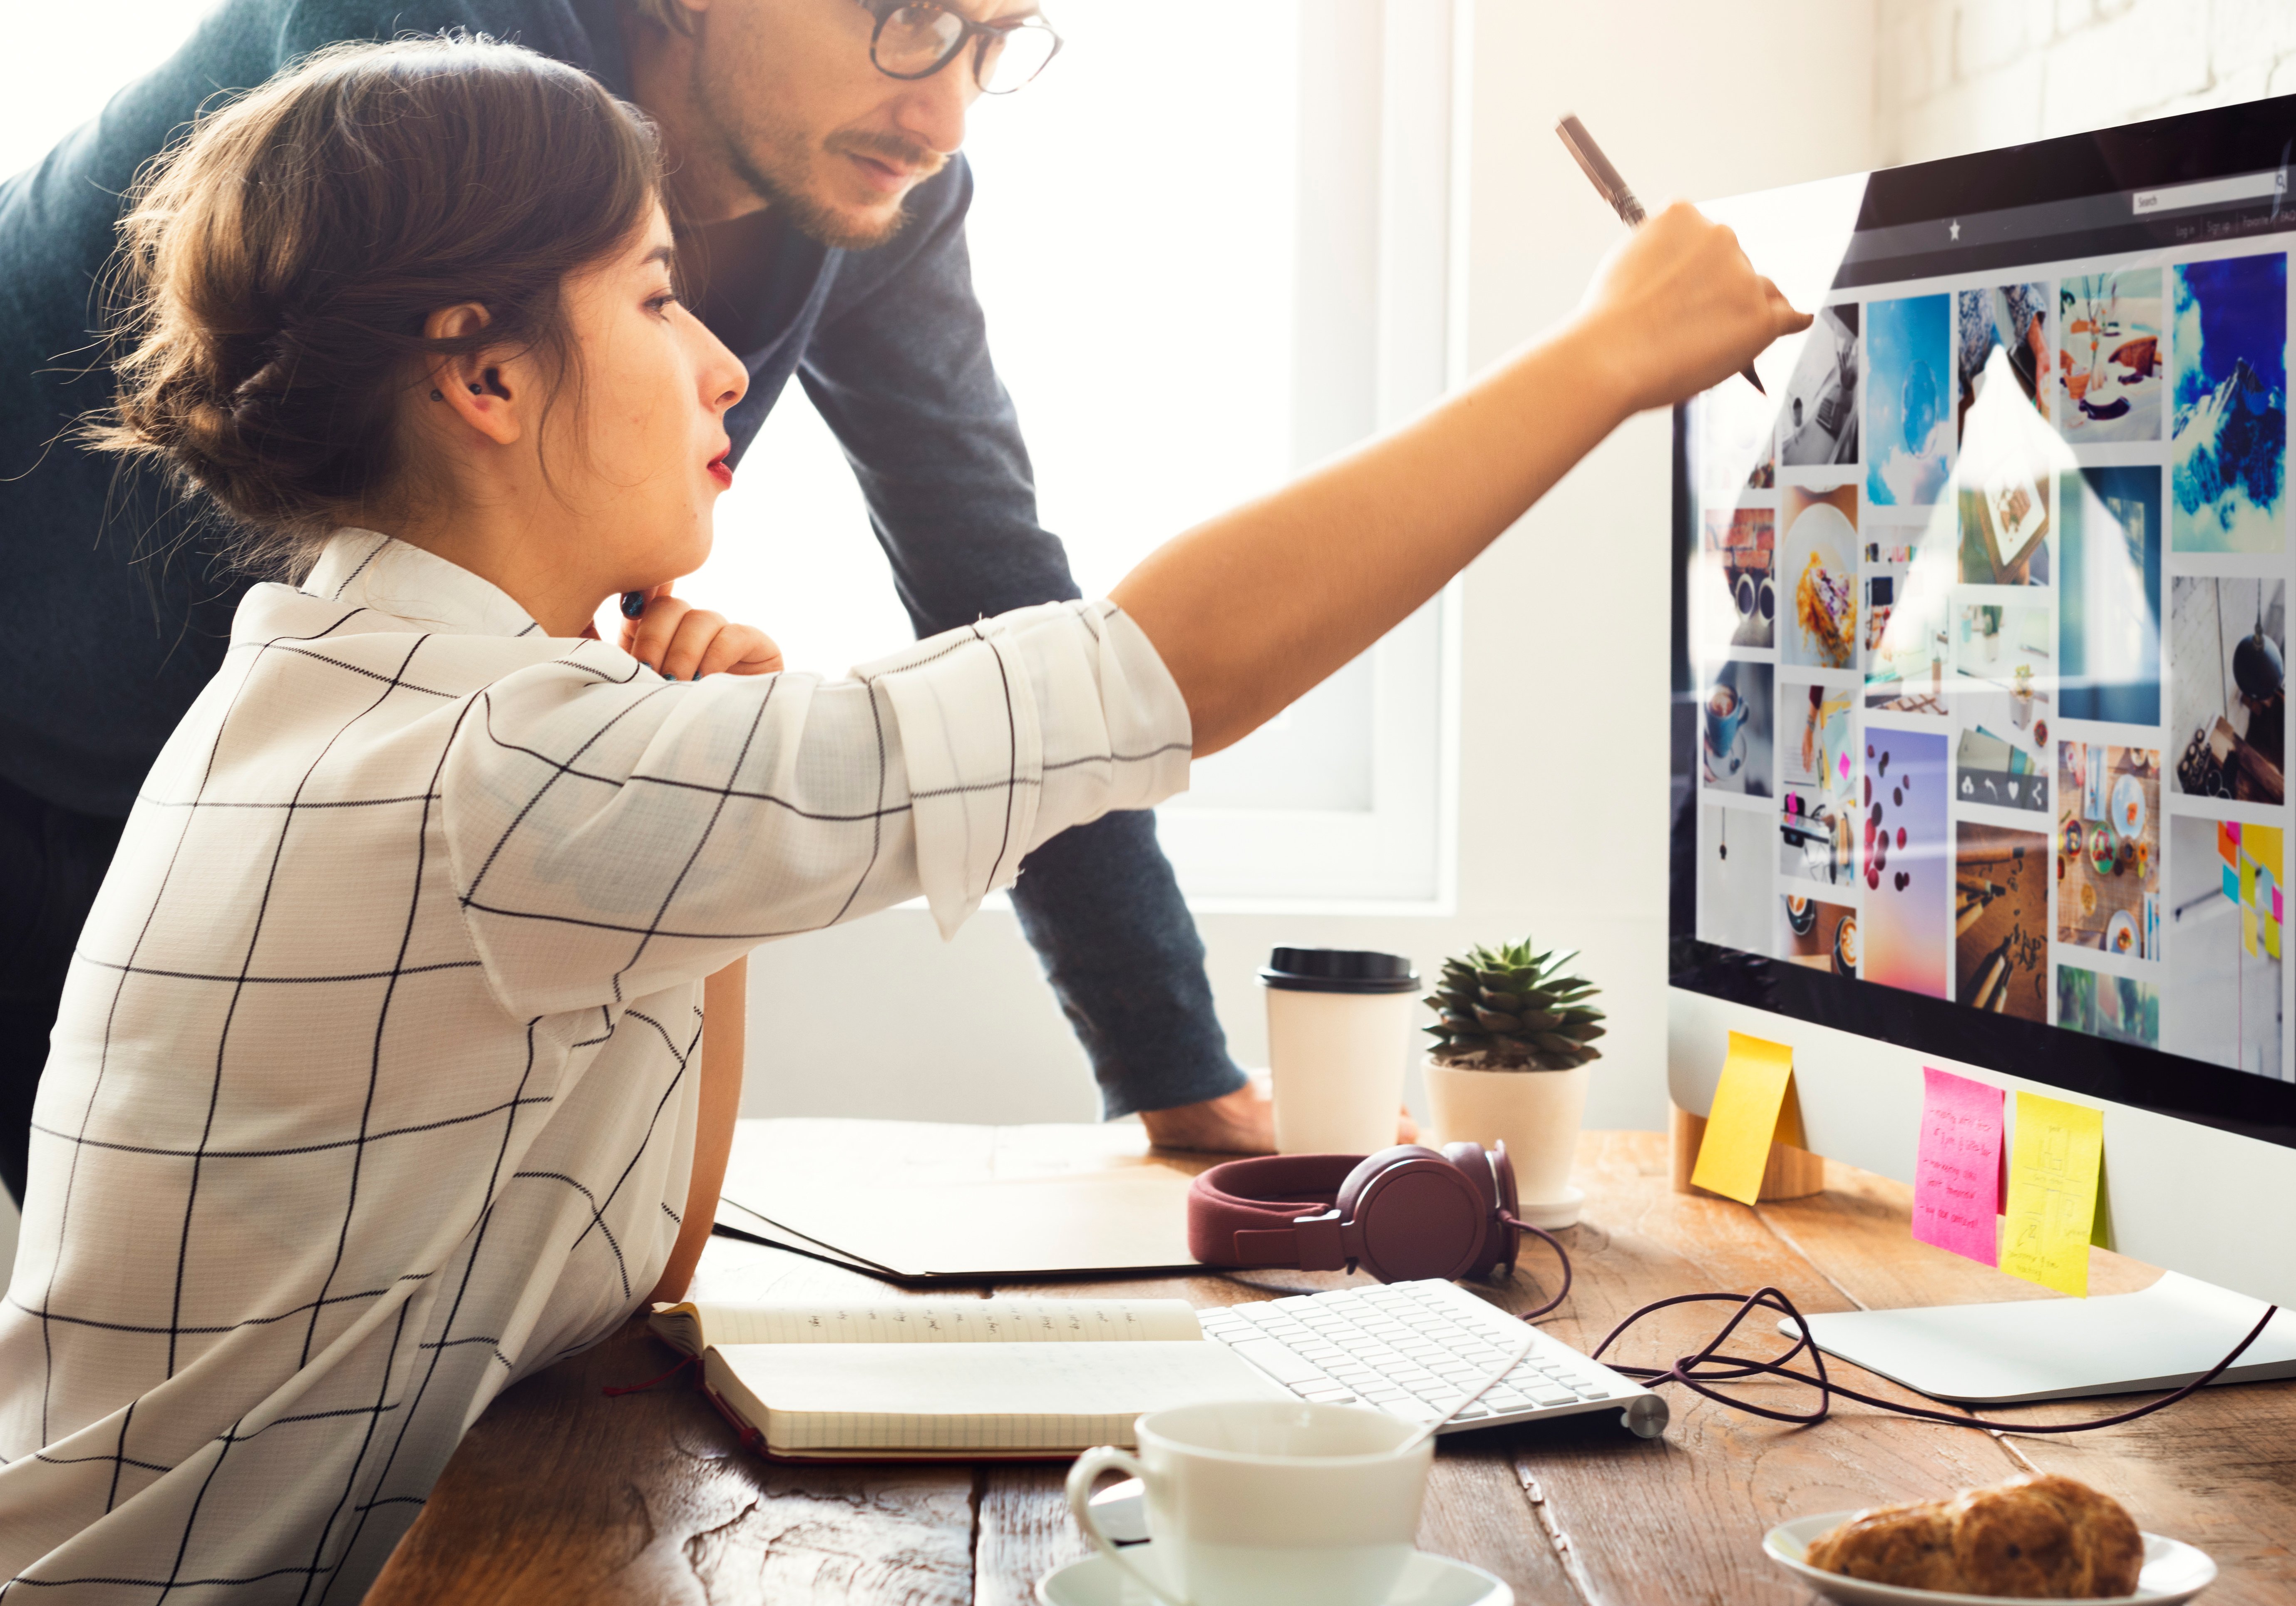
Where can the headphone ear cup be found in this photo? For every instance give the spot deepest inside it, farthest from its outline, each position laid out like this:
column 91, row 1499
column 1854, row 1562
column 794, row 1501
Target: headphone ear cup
column 1415, row 1216
column 1475, row 1166
column 1370, row 1166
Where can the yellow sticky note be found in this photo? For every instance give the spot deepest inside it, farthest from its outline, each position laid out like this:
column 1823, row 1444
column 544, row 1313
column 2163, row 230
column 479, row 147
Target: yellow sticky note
column 2053, row 1164
column 2265, row 845
column 2248, row 929
column 1753, row 1104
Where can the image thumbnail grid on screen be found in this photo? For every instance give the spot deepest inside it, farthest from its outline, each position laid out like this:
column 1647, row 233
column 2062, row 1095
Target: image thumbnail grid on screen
column 1988, row 626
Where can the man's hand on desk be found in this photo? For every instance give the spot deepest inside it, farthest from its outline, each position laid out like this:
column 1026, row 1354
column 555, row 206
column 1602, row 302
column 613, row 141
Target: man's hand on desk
column 1242, row 1122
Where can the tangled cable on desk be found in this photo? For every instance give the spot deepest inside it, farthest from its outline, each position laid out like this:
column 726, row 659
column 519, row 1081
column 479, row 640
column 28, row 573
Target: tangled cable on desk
column 1711, row 1365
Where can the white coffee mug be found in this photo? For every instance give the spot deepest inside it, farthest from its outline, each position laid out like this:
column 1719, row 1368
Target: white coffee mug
column 1268, row 1502
column 1338, row 1039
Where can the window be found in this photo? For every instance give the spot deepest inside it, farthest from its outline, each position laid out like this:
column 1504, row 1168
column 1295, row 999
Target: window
column 1210, row 256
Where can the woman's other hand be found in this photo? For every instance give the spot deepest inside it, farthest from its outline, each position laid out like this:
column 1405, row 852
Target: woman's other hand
column 681, row 642
column 1679, row 309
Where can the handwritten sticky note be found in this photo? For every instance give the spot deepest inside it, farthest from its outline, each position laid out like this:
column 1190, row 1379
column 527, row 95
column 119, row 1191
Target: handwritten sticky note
column 1958, row 1170
column 2053, row 1162
column 1753, row 1104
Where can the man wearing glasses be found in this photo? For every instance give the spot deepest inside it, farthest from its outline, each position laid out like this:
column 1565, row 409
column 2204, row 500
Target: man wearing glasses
column 812, row 150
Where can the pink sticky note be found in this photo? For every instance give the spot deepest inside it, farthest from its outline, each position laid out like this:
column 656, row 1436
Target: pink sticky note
column 1957, row 1171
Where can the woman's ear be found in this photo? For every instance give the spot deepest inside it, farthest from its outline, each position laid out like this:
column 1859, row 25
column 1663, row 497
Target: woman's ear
column 473, row 390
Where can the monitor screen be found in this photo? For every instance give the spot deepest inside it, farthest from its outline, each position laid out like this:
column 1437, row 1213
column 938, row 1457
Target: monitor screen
column 1981, row 619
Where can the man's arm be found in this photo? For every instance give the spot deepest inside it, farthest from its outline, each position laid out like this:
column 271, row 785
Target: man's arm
column 899, row 367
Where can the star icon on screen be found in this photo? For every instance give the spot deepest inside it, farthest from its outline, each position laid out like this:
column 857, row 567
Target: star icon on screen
column 1955, row 230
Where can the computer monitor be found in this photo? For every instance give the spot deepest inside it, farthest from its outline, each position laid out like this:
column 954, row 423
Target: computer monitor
column 1980, row 745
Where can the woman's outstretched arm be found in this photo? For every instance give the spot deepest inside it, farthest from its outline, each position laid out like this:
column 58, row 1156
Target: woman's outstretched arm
column 1250, row 609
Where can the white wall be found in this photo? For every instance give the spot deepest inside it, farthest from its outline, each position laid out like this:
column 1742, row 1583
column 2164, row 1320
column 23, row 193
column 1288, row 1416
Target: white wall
column 1563, row 825
column 1966, row 75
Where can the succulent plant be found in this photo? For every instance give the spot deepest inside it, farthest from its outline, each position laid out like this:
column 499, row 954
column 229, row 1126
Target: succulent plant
column 1513, row 1009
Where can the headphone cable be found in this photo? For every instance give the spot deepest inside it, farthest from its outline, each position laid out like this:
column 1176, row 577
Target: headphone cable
column 1712, row 1365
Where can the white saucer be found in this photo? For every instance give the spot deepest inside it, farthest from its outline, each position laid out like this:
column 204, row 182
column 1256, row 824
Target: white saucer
column 1426, row 1581
column 2174, row 1571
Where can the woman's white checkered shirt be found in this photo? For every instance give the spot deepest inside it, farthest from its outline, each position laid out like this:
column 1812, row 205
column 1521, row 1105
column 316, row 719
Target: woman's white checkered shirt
column 370, row 1092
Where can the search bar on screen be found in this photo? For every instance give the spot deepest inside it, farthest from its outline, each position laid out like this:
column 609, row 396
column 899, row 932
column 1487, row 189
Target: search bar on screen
column 2210, row 191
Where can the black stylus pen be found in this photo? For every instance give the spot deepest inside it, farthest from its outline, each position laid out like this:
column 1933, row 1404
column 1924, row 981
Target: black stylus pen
column 1606, row 179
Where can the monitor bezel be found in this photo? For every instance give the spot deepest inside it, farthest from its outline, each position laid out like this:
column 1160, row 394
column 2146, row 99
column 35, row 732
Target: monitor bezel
column 2221, row 142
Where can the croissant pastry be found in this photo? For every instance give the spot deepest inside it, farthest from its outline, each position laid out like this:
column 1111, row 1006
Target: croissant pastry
column 2030, row 1538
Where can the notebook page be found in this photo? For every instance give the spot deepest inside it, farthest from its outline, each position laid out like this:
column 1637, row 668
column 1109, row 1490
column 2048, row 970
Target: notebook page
column 947, row 1322
column 981, row 1397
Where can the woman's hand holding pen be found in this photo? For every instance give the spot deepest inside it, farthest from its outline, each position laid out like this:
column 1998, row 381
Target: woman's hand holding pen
column 1680, row 309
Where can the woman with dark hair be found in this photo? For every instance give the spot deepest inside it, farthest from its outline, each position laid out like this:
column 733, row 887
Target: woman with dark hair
column 377, row 1083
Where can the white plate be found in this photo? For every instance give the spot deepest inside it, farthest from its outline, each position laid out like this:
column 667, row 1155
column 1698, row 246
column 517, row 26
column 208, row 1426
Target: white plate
column 2173, row 1571
column 1426, row 1581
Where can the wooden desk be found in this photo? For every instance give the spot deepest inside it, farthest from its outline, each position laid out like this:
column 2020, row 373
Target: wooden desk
column 561, row 1495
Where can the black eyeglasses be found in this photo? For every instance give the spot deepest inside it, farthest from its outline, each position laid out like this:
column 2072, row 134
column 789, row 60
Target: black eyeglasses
column 918, row 39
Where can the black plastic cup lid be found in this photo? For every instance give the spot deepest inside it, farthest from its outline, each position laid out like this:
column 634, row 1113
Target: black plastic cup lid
column 1338, row 970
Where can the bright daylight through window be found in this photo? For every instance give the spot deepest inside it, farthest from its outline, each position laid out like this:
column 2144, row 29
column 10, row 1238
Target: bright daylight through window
column 1262, row 290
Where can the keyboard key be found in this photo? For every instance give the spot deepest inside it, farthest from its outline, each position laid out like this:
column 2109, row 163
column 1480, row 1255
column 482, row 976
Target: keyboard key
column 1328, row 1397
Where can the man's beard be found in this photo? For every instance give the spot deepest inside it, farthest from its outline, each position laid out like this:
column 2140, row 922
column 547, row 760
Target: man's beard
column 774, row 163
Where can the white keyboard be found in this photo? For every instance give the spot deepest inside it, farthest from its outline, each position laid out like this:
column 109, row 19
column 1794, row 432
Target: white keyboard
column 1412, row 1349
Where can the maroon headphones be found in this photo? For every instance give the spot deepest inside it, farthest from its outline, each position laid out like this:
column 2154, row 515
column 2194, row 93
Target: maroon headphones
column 1402, row 1214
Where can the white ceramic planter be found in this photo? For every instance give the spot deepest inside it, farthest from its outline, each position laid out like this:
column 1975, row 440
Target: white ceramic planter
column 1537, row 1113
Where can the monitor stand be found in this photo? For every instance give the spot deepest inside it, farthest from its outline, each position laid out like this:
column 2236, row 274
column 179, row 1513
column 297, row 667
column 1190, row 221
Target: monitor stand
column 2058, row 1349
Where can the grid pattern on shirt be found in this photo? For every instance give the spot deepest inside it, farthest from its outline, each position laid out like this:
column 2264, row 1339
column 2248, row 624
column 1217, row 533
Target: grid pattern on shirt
column 372, row 1087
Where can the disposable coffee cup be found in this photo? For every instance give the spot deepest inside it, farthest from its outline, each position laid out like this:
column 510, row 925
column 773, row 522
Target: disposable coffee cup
column 1339, row 1036
column 1264, row 1503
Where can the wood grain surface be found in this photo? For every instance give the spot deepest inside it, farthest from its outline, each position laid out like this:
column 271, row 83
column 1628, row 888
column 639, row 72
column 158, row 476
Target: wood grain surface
column 560, row 1495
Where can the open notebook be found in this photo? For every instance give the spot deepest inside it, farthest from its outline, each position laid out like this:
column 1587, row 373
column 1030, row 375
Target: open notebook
column 960, row 1379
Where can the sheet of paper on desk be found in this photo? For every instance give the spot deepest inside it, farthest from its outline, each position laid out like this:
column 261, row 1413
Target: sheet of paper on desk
column 924, row 1200
column 1753, row 1105
column 2054, row 1163
column 1957, row 1169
